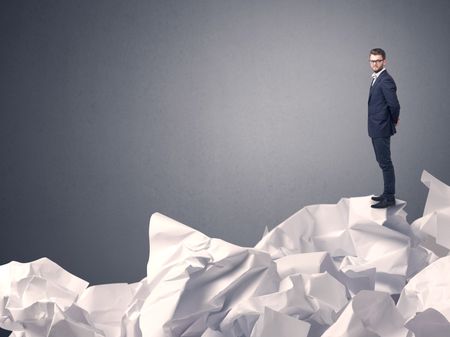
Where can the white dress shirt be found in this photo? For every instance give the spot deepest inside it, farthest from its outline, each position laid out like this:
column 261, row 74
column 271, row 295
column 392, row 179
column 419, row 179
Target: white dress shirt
column 375, row 75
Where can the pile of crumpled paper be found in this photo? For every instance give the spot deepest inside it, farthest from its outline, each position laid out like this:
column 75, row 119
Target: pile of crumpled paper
column 328, row 270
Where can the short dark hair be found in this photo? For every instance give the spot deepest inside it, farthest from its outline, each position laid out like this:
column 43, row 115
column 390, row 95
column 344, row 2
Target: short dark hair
column 378, row 51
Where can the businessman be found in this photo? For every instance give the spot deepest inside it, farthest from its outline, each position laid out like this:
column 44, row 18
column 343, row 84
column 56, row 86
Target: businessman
column 384, row 111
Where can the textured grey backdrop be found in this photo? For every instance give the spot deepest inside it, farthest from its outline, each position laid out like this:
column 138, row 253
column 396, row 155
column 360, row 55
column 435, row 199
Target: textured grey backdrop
column 228, row 116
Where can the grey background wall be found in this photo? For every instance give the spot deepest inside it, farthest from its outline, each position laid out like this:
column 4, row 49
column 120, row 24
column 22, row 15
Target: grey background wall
column 228, row 116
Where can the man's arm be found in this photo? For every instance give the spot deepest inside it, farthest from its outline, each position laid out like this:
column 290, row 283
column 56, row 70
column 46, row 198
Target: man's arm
column 390, row 94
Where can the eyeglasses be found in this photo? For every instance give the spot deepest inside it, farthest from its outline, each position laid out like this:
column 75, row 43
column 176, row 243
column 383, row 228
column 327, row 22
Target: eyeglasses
column 375, row 61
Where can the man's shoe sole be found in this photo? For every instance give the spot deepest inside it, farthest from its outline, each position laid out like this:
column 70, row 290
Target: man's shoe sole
column 382, row 204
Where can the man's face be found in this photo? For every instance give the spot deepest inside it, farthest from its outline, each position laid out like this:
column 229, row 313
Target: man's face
column 376, row 62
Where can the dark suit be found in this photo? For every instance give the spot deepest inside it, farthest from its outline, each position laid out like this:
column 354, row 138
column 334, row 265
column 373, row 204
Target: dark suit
column 384, row 110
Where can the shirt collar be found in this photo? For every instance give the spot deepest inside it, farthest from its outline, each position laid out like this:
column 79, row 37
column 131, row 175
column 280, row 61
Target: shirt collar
column 375, row 75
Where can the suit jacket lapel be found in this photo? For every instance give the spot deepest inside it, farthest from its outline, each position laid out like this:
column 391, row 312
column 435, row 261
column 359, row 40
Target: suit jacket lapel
column 376, row 83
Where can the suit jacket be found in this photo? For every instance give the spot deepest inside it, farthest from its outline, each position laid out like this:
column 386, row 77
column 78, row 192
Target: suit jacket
column 384, row 108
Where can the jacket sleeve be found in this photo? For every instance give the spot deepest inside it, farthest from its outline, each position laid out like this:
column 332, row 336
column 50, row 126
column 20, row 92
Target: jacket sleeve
column 390, row 94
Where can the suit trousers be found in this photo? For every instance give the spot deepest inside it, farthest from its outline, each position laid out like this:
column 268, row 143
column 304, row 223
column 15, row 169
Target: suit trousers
column 382, row 148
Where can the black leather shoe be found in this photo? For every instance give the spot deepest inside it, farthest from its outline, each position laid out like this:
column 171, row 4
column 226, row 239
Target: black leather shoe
column 379, row 198
column 384, row 204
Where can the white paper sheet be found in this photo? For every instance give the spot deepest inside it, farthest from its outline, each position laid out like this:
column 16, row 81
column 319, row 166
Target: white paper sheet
column 428, row 289
column 327, row 270
column 429, row 323
column 273, row 323
column 436, row 215
column 370, row 314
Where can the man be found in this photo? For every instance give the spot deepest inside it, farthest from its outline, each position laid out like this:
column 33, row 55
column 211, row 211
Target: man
column 384, row 110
